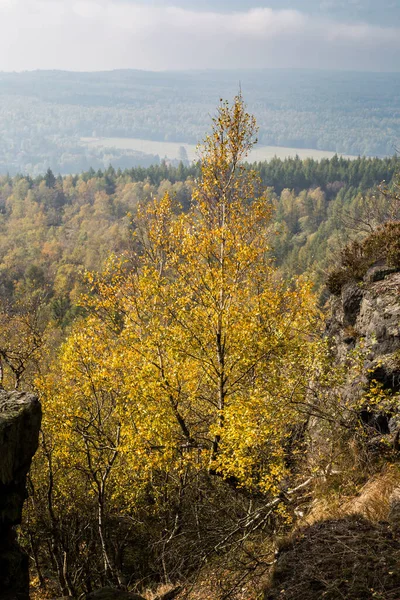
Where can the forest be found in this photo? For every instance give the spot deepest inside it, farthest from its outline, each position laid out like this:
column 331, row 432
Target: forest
column 171, row 320
column 44, row 114
column 55, row 228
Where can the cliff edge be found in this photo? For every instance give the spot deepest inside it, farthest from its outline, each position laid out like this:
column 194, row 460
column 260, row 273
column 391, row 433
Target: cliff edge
column 20, row 418
column 355, row 557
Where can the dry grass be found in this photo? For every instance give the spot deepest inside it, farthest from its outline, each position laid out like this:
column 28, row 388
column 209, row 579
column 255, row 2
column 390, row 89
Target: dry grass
column 238, row 575
column 160, row 591
column 372, row 501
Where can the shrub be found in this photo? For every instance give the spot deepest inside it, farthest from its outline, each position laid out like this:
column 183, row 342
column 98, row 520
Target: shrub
column 383, row 245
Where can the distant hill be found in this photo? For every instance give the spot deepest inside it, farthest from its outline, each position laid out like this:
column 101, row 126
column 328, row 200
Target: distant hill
column 43, row 114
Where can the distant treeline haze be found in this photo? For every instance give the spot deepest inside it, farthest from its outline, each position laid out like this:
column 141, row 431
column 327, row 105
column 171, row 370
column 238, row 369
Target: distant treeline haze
column 44, row 114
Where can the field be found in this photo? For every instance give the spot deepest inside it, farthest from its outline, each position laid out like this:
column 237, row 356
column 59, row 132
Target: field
column 171, row 150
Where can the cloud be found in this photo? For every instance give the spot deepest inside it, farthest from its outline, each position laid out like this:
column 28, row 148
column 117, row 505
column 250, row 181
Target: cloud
column 109, row 34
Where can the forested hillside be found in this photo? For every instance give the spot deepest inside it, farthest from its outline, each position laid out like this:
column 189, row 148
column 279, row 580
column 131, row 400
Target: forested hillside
column 44, row 114
column 171, row 319
column 52, row 229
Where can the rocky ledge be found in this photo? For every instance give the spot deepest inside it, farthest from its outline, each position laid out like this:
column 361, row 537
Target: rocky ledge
column 349, row 558
column 354, row 557
column 368, row 310
column 20, row 418
column 367, row 316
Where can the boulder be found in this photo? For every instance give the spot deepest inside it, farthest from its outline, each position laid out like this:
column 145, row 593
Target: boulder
column 345, row 558
column 378, row 273
column 20, row 418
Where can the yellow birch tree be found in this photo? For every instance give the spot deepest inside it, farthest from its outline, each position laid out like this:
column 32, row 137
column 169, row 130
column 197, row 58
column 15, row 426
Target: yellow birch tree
column 195, row 356
column 214, row 348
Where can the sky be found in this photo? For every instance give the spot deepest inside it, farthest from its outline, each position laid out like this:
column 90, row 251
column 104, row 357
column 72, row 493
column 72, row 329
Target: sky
column 93, row 35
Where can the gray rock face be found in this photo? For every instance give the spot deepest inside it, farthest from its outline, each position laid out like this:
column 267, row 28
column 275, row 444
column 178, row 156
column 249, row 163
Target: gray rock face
column 352, row 296
column 368, row 315
column 378, row 273
column 378, row 320
column 369, row 312
column 20, row 418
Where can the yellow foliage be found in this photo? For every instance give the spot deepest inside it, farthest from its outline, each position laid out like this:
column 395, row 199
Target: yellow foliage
column 195, row 351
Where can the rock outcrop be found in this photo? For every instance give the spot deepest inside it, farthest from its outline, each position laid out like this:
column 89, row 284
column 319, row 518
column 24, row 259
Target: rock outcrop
column 20, row 418
column 367, row 316
column 368, row 311
column 353, row 557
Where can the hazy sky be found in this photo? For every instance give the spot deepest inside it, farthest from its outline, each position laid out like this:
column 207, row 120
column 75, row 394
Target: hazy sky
column 188, row 34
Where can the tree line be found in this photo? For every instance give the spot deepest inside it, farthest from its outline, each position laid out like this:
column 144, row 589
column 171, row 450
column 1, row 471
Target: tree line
column 43, row 115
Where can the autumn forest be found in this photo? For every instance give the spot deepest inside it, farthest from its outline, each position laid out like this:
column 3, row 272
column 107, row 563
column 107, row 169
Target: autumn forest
column 171, row 320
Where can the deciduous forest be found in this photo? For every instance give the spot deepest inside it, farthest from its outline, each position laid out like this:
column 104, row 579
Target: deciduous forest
column 171, row 320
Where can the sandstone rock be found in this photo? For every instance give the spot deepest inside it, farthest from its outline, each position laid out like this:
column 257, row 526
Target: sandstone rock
column 379, row 316
column 386, row 370
column 20, row 417
column 369, row 316
column 352, row 296
column 378, row 273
